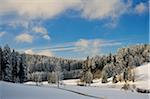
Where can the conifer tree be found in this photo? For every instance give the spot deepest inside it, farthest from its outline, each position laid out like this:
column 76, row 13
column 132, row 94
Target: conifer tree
column 23, row 69
column 6, row 66
column 0, row 63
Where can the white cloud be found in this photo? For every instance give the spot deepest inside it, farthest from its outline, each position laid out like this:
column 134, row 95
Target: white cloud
column 46, row 37
column 91, row 9
column 46, row 53
column 37, row 8
column 101, row 9
column 140, row 8
column 2, row 34
column 82, row 44
column 88, row 47
column 40, row 30
column 28, row 10
column 43, row 52
column 93, row 47
column 24, row 38
column 43, row 31
column 64, row 48
column 111, row 24
column 84, row 47
column 29, row 51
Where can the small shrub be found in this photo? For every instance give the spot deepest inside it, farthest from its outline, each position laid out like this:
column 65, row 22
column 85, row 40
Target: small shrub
column 104, row 78
column 52, row 78
column 114, row 79
column 125, row 86
column 142, row 90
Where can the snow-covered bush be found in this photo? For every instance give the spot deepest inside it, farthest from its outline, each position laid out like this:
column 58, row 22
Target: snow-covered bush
column 88, row 77
column 104, row 77
column 52, row 77
column 37, row 77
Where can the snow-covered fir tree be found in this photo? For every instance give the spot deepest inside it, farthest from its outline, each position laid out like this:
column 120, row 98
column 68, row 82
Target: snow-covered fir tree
column 23, row 69
column 6, row 66
column 0, row 63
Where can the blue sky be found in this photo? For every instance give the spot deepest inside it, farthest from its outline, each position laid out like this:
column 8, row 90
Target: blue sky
column 73, row 29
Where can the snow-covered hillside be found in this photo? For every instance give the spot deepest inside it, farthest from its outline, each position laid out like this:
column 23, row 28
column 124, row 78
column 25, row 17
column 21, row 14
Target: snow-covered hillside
column 142, row 79
column 143, row 76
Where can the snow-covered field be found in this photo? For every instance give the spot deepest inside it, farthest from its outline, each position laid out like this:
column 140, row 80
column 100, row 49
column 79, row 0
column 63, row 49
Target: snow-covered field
column 96, row 90
column 19, row 91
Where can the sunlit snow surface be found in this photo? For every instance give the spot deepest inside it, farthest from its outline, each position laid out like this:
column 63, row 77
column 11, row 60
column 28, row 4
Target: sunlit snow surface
column 143, row 76
column 45, row 91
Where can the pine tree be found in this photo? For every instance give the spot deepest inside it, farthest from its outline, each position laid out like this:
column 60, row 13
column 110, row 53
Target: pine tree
column 13, row 60
column 15, row 66
column 23, row 69
column 0, row 63
column 6, row 66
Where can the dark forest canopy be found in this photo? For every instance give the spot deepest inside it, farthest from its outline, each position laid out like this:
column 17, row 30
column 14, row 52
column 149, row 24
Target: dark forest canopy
column 18, row 67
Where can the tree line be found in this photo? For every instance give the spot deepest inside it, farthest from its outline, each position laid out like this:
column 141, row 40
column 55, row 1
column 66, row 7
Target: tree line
column 18, row 67
column 120, row 65
column 13, row 67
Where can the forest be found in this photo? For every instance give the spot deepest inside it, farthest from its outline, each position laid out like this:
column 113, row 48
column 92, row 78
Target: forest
column 20, row 67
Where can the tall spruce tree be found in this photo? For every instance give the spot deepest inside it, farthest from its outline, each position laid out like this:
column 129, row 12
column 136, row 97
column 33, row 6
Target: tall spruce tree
column 6, row 66
column 23, row 69
column 15, row 65
column 0, row 63
column 13, row 60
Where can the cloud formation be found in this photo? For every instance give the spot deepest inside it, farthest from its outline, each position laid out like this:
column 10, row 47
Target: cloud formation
column 93, row 47
column 46, row 53
column 24, row 37
column 46, row 9
column 101, row 9
column 25, row 11
column 82, row 44
column 85, row 47
column 140, row 8
column 42, row 31
column 2, row 34
column 37, row 8
column 43, row 52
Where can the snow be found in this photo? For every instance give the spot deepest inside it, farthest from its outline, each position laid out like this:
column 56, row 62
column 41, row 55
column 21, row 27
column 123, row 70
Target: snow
column 97, row 89
column 142, row 78
column 20, row 91
column 71, row 82
column 108, row 93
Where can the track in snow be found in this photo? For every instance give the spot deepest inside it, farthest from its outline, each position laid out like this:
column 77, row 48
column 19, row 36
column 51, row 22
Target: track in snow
column 83, row 94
